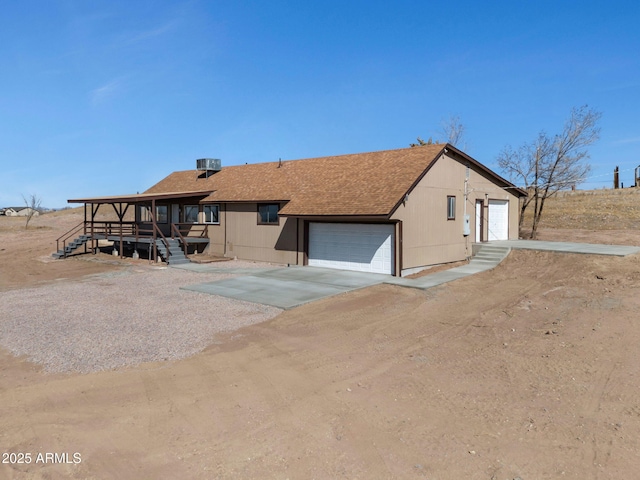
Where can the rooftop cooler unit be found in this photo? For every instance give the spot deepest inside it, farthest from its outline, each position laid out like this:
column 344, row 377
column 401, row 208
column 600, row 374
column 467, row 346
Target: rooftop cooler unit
column 208, row 165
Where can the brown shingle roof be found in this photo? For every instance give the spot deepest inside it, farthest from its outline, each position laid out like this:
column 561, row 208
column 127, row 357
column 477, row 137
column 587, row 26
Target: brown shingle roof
column 358, row 184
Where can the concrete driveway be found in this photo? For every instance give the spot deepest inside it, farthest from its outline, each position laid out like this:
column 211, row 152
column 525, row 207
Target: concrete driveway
column 288, row 287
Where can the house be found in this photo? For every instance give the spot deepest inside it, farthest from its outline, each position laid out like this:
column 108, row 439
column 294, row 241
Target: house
column 394, row 212
column 20, row 212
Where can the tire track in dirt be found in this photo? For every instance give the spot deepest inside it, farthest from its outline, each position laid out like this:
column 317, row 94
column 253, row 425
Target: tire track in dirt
column 357, row 336
column 320, row 395
column 593, row 399
column 200, row 389
column 597, row 448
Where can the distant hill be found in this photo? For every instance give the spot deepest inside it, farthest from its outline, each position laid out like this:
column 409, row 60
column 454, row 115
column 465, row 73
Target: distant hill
column 605, row 209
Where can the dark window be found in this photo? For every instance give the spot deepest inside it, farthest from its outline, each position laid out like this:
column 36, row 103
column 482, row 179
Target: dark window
column 191, row 214
column 211, row 213
column 162, row 214
column 145, row 214
column 451, row 207
column 268, row 214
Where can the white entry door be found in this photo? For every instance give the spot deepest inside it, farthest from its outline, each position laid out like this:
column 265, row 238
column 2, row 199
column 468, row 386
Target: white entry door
column 478, row 222
column 498, row 220
column 352, row 246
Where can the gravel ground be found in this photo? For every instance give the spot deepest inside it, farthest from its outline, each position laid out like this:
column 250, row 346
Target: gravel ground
column 120, row 319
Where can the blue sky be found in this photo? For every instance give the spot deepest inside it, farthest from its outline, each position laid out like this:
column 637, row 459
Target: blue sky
column 108, row 97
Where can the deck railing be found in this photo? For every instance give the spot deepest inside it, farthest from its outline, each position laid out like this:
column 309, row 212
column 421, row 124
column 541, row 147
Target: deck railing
column 191, row 230
column 133, row 229
column 114, row 228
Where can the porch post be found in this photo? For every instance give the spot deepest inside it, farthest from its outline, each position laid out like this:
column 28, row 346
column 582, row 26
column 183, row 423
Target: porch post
column 136, row 212
column 124, row 212
column 120, row 216
column 84, row 228
column 93, row 215
column 153, row 222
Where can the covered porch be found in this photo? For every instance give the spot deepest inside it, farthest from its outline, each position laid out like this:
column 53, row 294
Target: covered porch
column 148, row 222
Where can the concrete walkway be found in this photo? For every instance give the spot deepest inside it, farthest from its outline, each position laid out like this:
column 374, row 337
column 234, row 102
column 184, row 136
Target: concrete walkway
column 289, row 287
column 487, row 258
column 568, row 247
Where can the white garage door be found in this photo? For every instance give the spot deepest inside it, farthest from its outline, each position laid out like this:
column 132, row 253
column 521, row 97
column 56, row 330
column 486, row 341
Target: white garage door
column 352, row 246
column 498, row 220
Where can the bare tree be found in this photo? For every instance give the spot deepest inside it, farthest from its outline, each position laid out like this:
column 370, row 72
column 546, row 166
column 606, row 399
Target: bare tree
column 33, row 206
column 550, row 164
column 452, row 130
column 522, row 166
column 421, row 142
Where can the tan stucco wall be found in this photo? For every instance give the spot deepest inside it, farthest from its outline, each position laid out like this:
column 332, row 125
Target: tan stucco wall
column 239, row 235
column 247, row 240
column 482, row 188
column 428, row 238
column 216, row 233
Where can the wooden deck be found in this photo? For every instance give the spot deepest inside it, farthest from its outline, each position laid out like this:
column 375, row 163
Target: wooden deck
column 133, row 235
column 144, row 239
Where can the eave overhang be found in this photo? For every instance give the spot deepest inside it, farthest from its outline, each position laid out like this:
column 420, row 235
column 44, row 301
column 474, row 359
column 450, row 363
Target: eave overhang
column 140, row 197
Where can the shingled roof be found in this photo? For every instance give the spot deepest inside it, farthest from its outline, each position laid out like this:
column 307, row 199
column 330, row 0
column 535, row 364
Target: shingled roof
column 357, row 184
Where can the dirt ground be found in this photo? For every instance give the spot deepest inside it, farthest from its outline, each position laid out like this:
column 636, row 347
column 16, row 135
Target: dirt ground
column 25, row 254
column 527, row 371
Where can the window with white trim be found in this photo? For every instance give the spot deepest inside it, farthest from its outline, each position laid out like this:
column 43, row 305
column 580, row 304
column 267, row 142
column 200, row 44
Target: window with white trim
column 451, row 207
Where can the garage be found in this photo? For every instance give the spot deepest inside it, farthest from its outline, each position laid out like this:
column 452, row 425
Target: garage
column 352, row 246
column 498, row 220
